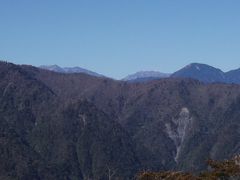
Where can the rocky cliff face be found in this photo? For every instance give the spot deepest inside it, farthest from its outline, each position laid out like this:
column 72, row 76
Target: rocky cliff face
column 178, row 128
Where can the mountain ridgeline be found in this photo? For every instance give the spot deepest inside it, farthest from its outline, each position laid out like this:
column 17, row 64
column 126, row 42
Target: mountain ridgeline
column 77, row 126
column 69, row 70
column 208, row 74
column 145, row 76
column 201, row 72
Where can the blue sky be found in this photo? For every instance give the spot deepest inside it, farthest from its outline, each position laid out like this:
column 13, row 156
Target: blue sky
column 120, row 37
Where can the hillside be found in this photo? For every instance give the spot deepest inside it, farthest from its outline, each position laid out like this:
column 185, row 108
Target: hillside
column 71, row 126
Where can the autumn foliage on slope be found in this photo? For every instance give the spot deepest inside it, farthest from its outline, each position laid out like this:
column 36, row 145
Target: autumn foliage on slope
column 228, row 169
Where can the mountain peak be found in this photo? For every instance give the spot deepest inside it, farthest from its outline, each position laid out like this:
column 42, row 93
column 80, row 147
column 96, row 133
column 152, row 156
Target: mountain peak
column 202, row 72
column 141, row 76
column 199, row 66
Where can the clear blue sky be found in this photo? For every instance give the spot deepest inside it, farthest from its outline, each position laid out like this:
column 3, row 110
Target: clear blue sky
column 119, row 37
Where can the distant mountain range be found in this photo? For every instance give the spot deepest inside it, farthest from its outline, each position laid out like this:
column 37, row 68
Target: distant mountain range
column 143, row 76
column 69, row 70
column 208, row 74
column 201, row 72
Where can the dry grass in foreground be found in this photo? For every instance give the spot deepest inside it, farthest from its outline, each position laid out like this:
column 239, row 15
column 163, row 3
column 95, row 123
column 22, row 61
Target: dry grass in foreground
column 220, row 170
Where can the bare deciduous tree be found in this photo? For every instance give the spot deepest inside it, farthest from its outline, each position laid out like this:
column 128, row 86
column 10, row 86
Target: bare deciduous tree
column 111, row 172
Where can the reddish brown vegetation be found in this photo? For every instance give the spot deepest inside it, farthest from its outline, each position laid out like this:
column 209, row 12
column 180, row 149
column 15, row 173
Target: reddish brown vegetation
column 228, row 169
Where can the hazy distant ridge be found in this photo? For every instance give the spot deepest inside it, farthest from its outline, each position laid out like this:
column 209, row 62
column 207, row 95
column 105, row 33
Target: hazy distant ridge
column 69, row 70
column 145, row 75
column 208, row 74
column 201, row 72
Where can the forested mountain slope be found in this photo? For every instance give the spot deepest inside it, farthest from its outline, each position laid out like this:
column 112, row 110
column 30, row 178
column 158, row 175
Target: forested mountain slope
column 75, row 126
